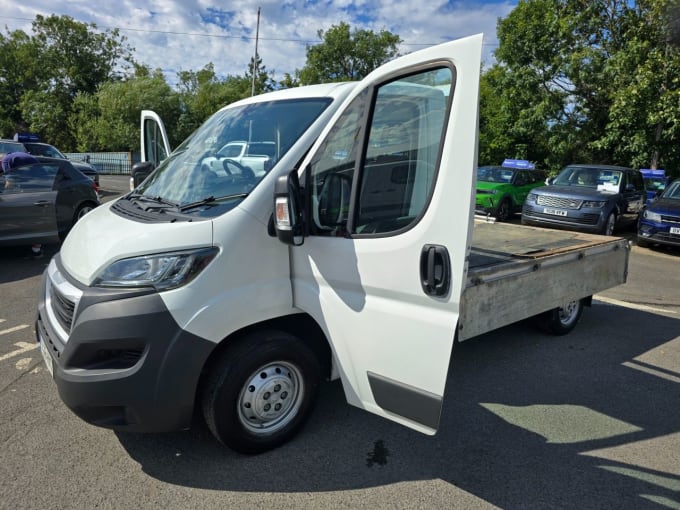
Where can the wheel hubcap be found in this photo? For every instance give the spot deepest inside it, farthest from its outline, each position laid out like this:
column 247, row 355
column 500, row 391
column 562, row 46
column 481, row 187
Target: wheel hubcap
column 271, row 397
column 568, row 312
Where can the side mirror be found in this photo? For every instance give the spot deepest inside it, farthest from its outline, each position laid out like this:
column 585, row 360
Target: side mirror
column 141, row 171
column 630, row 187
column 549, row 181
column 288, row 216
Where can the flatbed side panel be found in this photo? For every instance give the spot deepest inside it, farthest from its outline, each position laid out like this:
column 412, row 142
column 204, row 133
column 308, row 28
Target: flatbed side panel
column 505, row 287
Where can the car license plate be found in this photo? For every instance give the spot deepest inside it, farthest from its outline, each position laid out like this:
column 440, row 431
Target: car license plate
column 675, row 230
column 47, row 357
column 555, row 212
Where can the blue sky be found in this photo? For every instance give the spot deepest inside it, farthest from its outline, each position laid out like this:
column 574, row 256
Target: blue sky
column 182, row 35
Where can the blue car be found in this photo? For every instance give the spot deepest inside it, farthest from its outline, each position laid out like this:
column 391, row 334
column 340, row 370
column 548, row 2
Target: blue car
column 587, row 198
column 660, row 221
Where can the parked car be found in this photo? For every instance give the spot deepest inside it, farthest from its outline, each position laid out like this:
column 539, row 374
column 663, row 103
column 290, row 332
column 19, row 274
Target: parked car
column 660, row 221
column 40, row 202
column 588, row 198
column 50, row 151
column 655, row 182
column 501, row 190
column 8, row 146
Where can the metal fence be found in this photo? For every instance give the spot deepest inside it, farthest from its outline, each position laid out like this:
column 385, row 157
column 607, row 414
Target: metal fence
column 114, row 163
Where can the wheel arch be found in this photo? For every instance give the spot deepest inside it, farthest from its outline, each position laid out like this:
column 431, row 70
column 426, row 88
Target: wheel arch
column 300, row 325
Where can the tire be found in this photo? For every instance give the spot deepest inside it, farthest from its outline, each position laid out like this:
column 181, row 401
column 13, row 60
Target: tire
column 81, row 211
column 504, row 210
column 560, row 321
column 609, row 225
column 260, row 391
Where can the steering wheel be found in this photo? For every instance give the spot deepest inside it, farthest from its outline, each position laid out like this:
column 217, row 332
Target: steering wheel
column 243, row 171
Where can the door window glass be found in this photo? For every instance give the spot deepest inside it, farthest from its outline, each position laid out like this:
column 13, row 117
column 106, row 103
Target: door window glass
column 30, row 178
column 390, row 187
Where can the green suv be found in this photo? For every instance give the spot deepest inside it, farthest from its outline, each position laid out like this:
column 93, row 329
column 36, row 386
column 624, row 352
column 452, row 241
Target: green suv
column 501, row 190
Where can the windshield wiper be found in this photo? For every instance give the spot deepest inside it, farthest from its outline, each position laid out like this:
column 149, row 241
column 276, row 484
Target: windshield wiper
column 158, row 201
column 210, row 200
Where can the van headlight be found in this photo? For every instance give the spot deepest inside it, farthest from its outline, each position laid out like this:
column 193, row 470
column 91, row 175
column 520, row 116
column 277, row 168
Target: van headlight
column 162, row 271
column 652, row 216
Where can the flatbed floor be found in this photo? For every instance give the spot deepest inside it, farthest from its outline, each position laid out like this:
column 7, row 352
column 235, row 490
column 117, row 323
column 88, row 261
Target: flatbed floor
column 516, row 271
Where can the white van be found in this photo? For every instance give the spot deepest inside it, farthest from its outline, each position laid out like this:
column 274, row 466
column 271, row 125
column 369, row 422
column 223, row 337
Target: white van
column 180, row 296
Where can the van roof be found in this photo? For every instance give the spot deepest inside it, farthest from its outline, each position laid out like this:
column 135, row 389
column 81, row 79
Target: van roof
column 308, row 91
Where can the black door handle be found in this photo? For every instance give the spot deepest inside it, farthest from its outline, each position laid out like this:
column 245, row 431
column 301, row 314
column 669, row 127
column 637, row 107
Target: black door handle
column 435, row 270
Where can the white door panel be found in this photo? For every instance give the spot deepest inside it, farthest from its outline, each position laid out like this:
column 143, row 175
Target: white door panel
column 155, row 146
column 392, row 340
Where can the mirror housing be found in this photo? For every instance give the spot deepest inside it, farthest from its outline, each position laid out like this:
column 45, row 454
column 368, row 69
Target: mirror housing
column 288, row 216
column 141, row 171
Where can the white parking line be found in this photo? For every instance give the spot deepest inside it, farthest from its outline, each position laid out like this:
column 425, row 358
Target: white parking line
column 12, row 330
column 644, row 308
column 22, row 348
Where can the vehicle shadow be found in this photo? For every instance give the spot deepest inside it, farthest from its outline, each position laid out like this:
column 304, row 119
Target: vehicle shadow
column 530, row 421
column 17, row 262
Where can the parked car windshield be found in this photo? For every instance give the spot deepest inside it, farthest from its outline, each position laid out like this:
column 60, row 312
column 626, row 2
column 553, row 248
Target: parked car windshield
column 672, row 191
column 587, row 177
column 198, row 174
column 494, row 174
column 655, row 183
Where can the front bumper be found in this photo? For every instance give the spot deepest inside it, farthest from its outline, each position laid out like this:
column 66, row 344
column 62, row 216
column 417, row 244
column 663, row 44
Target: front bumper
column 658, row 233
column 119, row 358
column 591, row 221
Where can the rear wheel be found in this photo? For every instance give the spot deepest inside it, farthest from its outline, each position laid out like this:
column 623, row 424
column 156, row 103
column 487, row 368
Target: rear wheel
column 561, row 320
column 260, row 391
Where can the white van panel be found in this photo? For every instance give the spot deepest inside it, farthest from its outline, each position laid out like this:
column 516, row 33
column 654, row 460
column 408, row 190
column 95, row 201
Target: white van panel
column 106, row 237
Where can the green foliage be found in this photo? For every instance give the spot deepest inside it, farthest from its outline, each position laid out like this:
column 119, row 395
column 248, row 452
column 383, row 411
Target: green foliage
column 584, row 81
column 109, row 119
column 42, row 74
column 263, row 80
column 345, row 55
column 202, row 93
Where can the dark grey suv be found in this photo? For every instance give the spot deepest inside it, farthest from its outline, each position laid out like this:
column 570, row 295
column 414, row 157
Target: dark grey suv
column 588, row 198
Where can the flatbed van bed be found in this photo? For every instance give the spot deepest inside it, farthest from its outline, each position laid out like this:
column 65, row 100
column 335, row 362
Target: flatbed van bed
column 516, row 272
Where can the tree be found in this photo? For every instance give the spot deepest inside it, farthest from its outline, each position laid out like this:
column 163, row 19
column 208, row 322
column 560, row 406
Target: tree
column 17, row 75
column 263, row 79
column 42, row 74
column 202, row 93
column 109, row 119
column 345, row 55
column 589, row 81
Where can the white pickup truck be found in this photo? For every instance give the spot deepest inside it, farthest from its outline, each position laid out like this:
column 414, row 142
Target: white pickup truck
column 259, row 157
column 356, row 257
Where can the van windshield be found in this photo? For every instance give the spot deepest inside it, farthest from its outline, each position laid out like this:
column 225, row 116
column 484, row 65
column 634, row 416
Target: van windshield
column 224, row 159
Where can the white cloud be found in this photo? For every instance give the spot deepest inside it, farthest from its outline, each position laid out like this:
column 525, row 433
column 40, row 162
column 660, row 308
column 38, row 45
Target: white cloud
column 179, row 35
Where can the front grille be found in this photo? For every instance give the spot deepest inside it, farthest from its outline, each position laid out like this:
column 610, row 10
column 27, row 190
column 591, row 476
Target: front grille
column 670, row 219
column 666, row 237
column 63, row 308
column 581, row 219
column 50, row 343
column 563, row 203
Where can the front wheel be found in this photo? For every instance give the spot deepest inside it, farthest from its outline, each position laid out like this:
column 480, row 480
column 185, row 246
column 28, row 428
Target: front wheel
column 561, row 320
column 504, row 210
column 260, row 391
column 608, row 228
